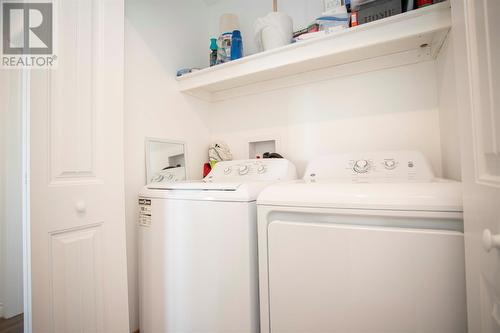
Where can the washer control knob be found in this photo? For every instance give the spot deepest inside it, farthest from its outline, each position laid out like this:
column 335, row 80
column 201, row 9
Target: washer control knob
column 170, row 176
column 227, row 171
column 261, row 169
column 243, row 170
column 390, row 164
column 361, row 166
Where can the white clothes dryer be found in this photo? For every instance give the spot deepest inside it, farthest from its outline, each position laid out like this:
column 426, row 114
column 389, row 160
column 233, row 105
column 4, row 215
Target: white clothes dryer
column 198, row 249
column 368, row 242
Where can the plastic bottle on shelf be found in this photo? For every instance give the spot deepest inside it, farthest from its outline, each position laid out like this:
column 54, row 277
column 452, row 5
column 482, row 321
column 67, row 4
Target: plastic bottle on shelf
column 236, row 45
column 224, row 48
column 228, row 23
column 213, row 51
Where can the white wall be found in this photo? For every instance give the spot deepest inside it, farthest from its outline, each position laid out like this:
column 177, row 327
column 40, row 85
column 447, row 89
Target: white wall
column 412, row 109
column 389, row 109
column 448, row 112
column 155, row 34
column 11, row 254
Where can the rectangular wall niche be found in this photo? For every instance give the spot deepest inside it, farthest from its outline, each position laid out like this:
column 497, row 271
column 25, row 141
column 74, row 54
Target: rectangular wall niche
column 257, row 148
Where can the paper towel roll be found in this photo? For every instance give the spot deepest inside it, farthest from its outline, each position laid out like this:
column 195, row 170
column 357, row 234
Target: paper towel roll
column 273, row 30
column 228, row 23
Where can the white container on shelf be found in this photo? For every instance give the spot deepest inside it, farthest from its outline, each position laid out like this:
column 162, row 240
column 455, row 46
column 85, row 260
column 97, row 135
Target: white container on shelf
column 273, row 31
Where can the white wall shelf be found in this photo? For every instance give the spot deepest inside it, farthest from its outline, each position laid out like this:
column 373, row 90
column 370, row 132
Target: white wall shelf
column 403, row 39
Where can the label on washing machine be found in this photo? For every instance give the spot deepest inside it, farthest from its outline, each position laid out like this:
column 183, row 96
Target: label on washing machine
column 144, row 212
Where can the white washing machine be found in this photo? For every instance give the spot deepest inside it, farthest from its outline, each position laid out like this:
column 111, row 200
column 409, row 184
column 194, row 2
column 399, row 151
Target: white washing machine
column 365, row 243
column 198, row 249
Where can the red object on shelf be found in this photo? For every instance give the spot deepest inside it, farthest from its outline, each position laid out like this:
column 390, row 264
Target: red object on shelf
column 354, row 19
column 206, row 169
column 423, row 3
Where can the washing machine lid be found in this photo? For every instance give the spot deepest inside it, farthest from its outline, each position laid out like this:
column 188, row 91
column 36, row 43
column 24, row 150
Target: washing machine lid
column 202, row 191
column 195, row 186
column 438, row 196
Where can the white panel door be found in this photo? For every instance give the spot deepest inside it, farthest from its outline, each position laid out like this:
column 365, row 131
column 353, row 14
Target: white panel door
column 79, row 280
column 476, row 31
column 344, row 278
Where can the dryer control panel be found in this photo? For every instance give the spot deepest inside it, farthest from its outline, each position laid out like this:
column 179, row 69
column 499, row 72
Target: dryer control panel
column 371, row 167
column 253, row 170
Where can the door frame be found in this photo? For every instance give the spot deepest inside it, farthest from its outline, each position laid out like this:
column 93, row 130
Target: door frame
column 26, row 198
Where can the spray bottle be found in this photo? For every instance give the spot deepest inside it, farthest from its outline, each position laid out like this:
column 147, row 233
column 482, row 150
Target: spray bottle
column 213, row 51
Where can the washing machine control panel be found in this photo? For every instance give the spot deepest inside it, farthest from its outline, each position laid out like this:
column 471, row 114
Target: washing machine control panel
column 255, row 169
column 390, row 166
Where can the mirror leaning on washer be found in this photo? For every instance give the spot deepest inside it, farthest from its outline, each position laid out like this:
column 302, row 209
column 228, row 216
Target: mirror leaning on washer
column 165, row 160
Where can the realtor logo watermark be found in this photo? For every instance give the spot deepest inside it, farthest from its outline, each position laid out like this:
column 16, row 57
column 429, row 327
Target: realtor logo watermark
column 27, row 34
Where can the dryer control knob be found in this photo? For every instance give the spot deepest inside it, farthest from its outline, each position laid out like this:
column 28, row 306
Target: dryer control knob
column 243, row 170
column 390, row 164
column 261, row 169
column 227, row 171
column 361, row 166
